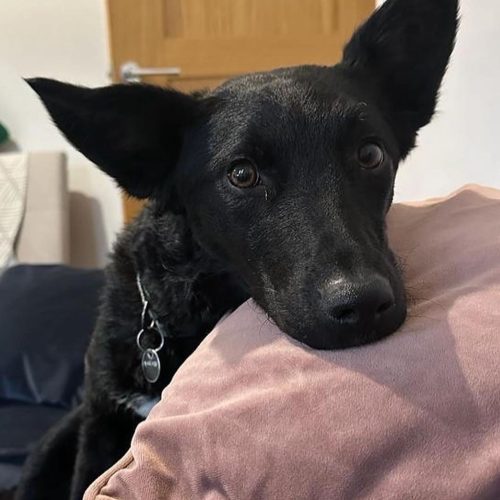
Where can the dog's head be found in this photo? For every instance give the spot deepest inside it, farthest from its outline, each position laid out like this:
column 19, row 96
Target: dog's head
column 287, row 176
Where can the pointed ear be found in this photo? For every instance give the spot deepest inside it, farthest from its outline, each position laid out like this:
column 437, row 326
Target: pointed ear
column 134, row 133
column 404, row 49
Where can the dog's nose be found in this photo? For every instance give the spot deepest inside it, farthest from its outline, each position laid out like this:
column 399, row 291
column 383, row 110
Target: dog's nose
column 360, row 305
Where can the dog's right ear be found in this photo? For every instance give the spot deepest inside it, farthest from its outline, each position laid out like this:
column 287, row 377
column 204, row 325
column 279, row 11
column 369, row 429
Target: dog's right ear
column 132, row 132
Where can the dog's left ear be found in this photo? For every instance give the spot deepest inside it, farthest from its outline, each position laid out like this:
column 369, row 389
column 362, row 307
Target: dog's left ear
column 134, row 133
column 403, row 49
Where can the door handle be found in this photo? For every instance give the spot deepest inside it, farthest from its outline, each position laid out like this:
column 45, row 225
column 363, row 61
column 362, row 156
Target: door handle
column 131, row 72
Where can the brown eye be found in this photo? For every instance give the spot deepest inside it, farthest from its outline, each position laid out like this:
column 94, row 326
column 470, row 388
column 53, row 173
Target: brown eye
column 370, row 155
column 244, row 175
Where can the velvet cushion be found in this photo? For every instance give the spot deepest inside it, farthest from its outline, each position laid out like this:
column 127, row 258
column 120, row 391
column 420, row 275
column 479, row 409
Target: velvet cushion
column 255, row 415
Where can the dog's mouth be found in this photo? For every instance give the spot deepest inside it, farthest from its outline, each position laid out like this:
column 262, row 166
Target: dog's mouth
column 374, row 313
column 331, row 337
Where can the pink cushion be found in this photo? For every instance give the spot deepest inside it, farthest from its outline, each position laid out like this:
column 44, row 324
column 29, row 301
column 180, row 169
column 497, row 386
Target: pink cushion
column 254, row 415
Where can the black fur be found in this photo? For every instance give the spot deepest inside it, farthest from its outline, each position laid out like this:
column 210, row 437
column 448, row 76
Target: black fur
column 307, row 242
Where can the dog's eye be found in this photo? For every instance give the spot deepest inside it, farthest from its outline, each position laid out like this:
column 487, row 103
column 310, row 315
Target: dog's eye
column 370, row 155
column 243, row 175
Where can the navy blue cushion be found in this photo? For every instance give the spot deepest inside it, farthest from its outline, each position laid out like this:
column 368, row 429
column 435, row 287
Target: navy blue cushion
column 21, row 427
column 47, row 314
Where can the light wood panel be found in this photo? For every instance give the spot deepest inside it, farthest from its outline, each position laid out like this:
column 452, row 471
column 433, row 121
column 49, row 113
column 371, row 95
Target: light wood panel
column 212, row 40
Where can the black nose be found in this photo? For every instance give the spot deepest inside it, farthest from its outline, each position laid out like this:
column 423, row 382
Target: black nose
column 361, row 305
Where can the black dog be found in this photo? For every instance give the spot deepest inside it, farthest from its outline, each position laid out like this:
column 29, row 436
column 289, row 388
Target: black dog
column 274, row 185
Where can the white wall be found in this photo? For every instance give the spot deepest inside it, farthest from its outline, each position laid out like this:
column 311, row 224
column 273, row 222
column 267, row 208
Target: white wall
column 66, row 40
column 461, row 145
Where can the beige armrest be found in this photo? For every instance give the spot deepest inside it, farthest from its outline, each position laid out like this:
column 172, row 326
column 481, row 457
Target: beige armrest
column 44, row 234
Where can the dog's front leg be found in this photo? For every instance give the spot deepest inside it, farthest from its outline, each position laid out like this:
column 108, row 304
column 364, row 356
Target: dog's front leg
column 105, row 437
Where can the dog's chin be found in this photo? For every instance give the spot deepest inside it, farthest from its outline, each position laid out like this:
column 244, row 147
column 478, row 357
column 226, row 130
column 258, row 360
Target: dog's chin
column 326, row 337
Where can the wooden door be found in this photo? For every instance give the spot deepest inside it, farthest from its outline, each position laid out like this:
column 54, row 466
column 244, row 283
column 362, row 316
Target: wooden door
column 213, row 40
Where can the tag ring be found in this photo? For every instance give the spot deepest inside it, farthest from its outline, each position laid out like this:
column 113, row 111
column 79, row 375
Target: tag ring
column 141, row 333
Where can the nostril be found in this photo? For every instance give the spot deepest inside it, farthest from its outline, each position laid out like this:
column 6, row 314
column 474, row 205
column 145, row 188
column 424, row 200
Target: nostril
column 384, row 307
column 345, row 315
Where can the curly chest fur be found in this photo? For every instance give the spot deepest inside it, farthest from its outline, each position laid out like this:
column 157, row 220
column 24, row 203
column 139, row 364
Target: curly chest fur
column 187, row 290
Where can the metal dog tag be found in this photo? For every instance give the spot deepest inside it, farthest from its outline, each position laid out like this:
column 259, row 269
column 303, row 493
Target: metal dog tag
column 151, row 366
